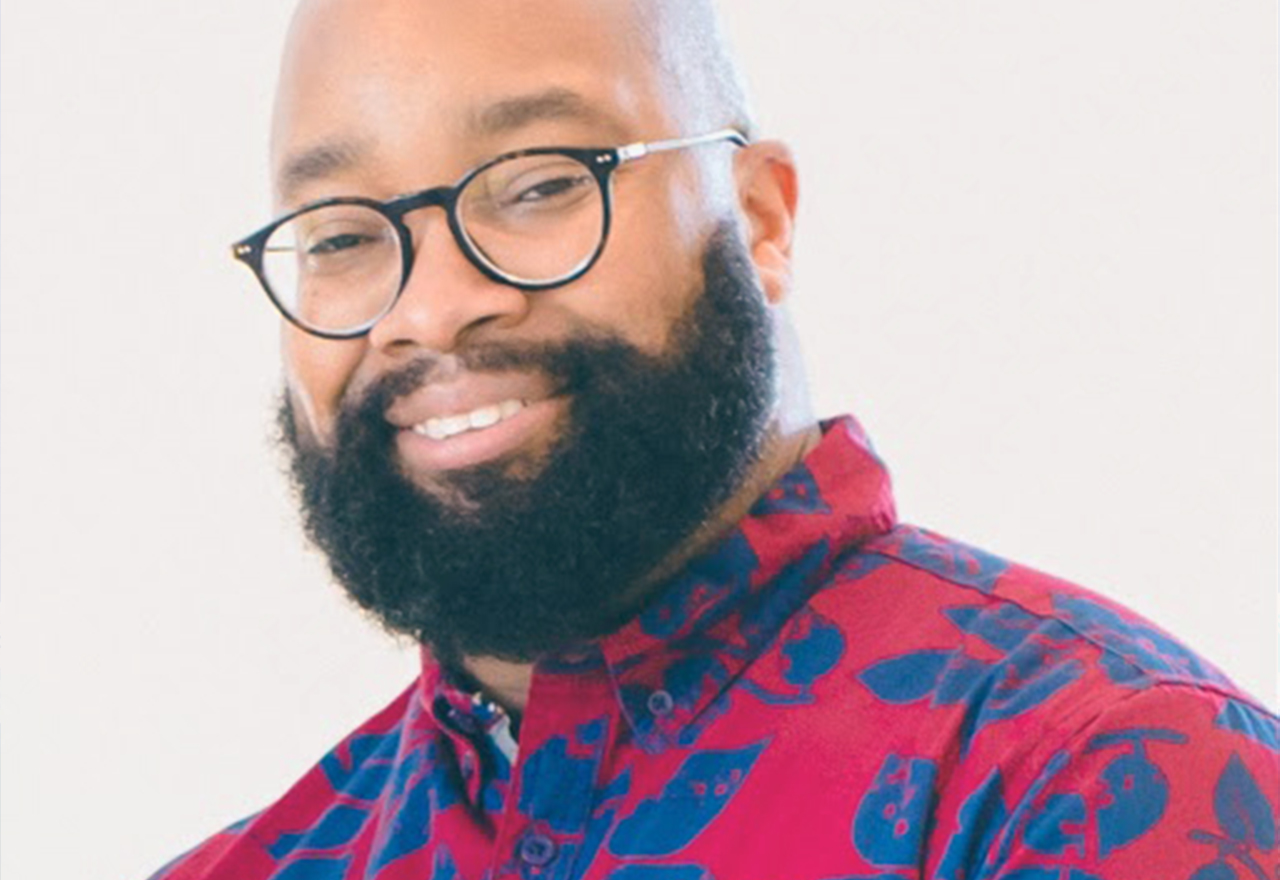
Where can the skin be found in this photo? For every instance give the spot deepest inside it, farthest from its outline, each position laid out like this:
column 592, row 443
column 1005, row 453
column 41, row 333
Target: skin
column 381, row 97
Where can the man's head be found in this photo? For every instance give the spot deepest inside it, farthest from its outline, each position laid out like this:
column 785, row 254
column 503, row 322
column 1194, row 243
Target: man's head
column 659, row 360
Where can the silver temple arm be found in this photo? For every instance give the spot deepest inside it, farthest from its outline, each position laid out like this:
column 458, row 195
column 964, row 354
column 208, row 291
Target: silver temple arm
column 635, row 151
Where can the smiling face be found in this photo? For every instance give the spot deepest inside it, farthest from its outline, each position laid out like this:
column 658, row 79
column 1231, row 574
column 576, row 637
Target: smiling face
column 484, row 449
column 377, row 99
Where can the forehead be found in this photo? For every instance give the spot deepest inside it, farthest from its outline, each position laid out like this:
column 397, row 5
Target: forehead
column 365, row 80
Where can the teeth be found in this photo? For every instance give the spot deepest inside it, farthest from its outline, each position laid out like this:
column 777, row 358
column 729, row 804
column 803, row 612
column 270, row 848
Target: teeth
column 485, row 417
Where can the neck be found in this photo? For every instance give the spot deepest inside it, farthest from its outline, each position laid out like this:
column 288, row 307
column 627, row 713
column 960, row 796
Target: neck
column 507, row 683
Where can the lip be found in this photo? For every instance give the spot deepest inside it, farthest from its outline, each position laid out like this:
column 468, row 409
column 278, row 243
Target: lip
column 524, row 430
column 465, row 393
column 462, row 394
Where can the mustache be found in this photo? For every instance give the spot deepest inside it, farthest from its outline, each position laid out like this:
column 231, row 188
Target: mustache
column 565, row 363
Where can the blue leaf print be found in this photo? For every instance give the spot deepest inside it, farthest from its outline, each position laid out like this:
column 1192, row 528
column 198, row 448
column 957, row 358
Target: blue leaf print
column 1137, row 796
column 1051, row 830
column 1242, row 809
column 889, row 827
column 444, row 868
column 316, row 869
column 962, row 677
column 690, row 801
column 951, row 560
column 982, row 816
column 1137, row 791
column 1003, row 627
column 1245, row 719
column 1025, row 679
column 340, row 824
column 1141, row 645
column 554, row 782
column 907, row 678
column 797, row 492
column 661, row 872
column 359, row 768
column 421, row 788
column 410, row 828
column 1215, row 871
column 710, row 585
column 811, row 651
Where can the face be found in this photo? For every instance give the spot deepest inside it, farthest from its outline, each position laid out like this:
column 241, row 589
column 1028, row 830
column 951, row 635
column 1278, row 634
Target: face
column 551, row 447
column 381, row 99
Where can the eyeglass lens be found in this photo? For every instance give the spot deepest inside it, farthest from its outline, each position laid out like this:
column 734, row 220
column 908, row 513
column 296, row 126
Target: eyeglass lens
column 534, row 220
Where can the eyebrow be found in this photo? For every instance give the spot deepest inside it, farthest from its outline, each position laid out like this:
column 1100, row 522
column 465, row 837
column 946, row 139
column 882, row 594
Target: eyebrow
column 498, row 118
column 317, row 163
column 553, row 104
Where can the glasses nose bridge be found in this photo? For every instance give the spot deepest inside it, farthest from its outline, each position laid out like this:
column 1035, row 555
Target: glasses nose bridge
column 436, row 197
column 442, row 197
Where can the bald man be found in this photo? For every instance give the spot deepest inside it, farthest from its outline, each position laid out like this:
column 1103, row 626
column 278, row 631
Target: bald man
column 545, row 417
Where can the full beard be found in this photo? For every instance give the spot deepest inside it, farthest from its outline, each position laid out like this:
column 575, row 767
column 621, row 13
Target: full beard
column 515, row 565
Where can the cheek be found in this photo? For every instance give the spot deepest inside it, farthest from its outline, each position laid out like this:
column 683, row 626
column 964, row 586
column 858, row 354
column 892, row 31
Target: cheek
column 651, row 269
column 318, row 372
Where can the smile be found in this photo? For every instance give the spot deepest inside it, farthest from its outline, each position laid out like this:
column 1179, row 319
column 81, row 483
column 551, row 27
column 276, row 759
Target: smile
column 444, row 427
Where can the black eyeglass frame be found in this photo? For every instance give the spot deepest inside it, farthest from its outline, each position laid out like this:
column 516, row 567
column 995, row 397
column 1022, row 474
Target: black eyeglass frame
column 601, row 161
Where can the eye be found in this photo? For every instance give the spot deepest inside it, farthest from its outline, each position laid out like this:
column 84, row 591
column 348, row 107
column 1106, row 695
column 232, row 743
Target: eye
column 551, row 188
column 343, row 239
column 335, row 243
column 526, row 184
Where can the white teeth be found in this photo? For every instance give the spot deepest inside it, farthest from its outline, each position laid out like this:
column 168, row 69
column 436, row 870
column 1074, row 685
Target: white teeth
column 485, row 417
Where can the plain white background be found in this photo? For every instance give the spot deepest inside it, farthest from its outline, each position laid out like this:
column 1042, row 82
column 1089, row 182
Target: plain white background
column 1037, row 257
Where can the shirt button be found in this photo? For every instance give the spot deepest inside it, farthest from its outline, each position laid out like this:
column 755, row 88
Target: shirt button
column 537, row 850
column 464, row 723
column 660, row 703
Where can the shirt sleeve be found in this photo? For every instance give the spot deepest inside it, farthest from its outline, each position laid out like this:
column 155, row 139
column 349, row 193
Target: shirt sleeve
column 230, row 854
column 1175, row 782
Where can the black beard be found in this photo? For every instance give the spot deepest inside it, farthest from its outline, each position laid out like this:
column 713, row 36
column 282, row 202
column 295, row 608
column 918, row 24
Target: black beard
column 535, row 563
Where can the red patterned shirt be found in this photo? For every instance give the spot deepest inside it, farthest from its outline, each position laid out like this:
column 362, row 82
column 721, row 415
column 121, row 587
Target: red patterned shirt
column 827, row 695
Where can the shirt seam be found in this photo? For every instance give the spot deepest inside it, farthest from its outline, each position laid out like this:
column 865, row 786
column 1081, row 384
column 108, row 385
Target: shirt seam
column 1157, row 677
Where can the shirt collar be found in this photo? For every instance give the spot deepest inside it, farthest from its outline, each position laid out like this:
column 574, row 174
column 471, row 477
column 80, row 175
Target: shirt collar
column 670, row 664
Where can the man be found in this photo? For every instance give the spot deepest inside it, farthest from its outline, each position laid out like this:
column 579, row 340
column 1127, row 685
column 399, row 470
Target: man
column 546, row 418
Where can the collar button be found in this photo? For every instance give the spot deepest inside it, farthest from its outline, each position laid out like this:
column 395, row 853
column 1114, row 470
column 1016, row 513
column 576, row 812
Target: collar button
column 661, row 703
column 536, row 849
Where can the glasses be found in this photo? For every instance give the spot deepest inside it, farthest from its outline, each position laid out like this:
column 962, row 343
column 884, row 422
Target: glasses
column 533, row 219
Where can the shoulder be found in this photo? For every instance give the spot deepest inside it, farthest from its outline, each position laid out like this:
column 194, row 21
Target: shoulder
column 985, row 599
column 1056, row 726
column 1011, row 653
column 327, row 802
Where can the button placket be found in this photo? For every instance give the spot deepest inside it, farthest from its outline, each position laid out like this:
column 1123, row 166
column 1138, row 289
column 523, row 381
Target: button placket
column 564, row 736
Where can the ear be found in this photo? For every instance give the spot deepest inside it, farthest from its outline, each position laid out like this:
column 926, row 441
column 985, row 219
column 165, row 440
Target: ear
column 765, row 173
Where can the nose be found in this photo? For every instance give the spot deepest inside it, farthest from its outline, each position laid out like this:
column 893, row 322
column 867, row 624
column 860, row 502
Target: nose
column 446, row 298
